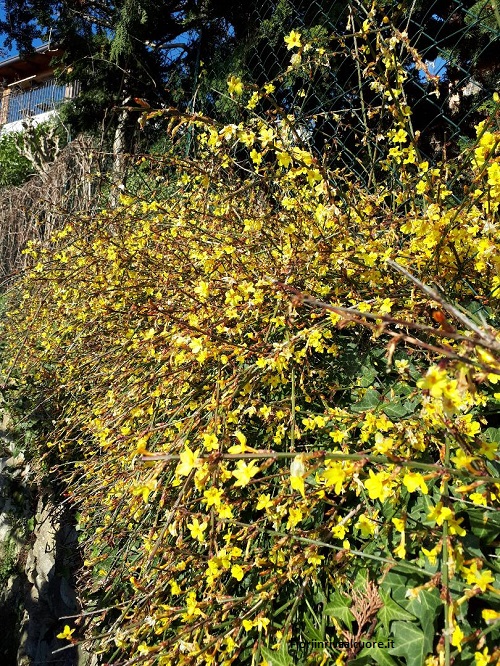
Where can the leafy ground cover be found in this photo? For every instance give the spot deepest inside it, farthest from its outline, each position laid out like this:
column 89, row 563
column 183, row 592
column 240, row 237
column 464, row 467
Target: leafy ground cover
column 273, row 391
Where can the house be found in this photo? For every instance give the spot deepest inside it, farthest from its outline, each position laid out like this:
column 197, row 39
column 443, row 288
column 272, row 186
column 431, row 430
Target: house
column 28, row 89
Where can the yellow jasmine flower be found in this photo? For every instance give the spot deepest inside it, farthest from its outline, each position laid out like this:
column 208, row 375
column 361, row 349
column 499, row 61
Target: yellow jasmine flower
column 225, row 511
column 174, row 587
column 334, row 476
column 293, row 40
column 264, row 502
column 235, row 86
column 294, row 517
column 399, row 524
column 237, row 572
column 366, row 526
column 432, row 554
column 210, row 441
column 481, row 578
column 434, row 381
column 379, row 486
column 213, row 497
column 66, row 633
column 145, row 489
column 283, row 159
column 244, row 472
column 297, row 472
column 490, row 615
column 196, row 528
column 478, row 498
column 414, row 480
column 462, row 460
column 482, row 658
column 457, row 638
column 440, row 513
column 188, row 461
column 261, row 623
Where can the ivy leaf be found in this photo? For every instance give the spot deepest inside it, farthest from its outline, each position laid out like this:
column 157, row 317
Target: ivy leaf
column 396, row 584
column 370, row 400
column 338, row 607
column 391, row 611
column 395, row 409
column 484, row 524
column 276, row 657
column 410, row 643
column 425, row 607
column 368, row 374
column 493, row 434
column 312, row 633
column 381, row 656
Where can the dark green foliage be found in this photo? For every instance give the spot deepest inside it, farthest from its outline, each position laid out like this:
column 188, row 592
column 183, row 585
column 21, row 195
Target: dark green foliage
column 14, row 168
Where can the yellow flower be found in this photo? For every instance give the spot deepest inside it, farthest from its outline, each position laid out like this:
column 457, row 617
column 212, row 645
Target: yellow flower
column 293, row 40
column 189, row 460
column 366, row 526
column 297, row 472
column 414, row 480
column 66, row 633
column 481, row 578
column 478, row 498
column 261, row 623
column 457, row 638
column 266, row 136
column 235, row 86
column 264, row 502
column 490, row 615
column 210, row 441
column 462, row 460
column 213, row 497
column 400, row 551
column 434, row 381
column 334, row 476
column 432, row 554
column 283, row 159
column 294, row 517
column 145, row 489
column 399, row 524
column 174, row 587
column 378, row 485
column 482, row 658
column 440, row 513
column 244, row 472
column 196, row 528
column 256, row 156
column 237, row 572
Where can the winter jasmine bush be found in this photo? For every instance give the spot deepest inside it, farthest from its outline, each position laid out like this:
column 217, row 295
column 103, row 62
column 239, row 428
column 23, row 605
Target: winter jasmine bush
column 276, row 392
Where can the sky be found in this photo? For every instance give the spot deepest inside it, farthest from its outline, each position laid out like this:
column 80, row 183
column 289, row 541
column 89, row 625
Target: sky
column 4, row 51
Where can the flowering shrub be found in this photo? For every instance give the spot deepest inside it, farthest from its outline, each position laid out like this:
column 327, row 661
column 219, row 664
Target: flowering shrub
column 274, row 428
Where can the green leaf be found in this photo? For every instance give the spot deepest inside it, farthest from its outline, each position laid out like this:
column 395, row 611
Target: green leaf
column 311, row 632
column 493, row 434
column 276, row 657
column 396, row 584
column 338, row 607
column 425, row 607
column 391, row 611
column 410, row 643
column 381, row 656
column 370, row 400
column 395, row 409
column 368, row 374
column 484, row 524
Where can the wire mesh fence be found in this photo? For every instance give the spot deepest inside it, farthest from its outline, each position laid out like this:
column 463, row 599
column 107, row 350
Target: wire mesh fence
column 457, row 41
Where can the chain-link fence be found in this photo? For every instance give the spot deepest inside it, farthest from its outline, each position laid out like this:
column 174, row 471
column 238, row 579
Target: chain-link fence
column 457, row 41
